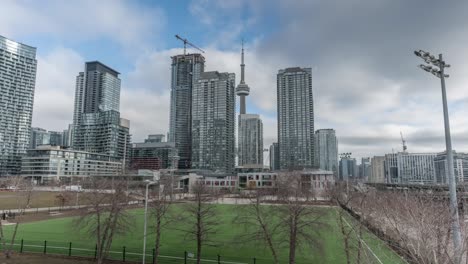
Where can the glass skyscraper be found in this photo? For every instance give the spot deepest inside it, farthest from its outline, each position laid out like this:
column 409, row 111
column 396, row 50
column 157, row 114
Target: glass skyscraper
column 186, row 69
column 213, row 122
column 326, row 146
column 18, row 67
column 274, row 157
column 97, row 126
column 250, row 140
column 295, row 118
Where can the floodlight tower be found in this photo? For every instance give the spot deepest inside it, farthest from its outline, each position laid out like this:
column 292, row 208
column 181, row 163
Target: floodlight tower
column 242, row 89
column 438, row 71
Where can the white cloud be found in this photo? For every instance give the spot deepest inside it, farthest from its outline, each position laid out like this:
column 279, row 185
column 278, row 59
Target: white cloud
column 123, row 21
column 365, row 81
column 55, row 88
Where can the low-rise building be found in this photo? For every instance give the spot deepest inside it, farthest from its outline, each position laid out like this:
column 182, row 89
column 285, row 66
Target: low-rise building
column 153, row 154
column 460, row 166
column 254, row 180
column 410, row 168
column 52, row 163
column 185, row 183
column 318, row 181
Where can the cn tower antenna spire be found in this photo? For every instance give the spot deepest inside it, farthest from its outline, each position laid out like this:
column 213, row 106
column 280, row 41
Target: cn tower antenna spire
column 242, row 89
column 242, row 64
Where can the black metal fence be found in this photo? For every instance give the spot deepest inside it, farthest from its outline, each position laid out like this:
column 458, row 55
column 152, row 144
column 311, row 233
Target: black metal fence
column 125, row 254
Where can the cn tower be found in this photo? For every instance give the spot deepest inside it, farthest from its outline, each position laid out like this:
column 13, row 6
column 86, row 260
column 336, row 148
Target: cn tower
column 242, row 89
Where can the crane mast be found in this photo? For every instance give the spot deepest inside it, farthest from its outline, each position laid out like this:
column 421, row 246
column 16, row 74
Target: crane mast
column 186, row 42
column 403, row 142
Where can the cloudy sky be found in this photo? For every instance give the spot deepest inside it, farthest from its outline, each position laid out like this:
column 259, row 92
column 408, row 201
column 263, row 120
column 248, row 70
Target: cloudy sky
column 365, row 80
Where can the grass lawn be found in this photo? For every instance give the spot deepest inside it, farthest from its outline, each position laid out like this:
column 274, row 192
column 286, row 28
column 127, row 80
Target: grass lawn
column 13, row 200
column 59, row 232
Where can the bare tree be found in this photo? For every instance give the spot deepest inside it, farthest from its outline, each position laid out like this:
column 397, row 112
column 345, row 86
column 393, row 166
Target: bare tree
column 342, row 197
column 199, row 218
column 260, row 222
column 300, row 222
column 24, row 190
column 106, row 214
column 417, row 223
column 159, row 206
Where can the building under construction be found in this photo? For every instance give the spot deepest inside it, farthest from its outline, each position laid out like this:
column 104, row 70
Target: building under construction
column 186, row 69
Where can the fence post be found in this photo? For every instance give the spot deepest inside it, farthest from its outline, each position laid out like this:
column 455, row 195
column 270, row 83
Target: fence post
column 219, row 259
column 45, row 246
column 95, row 252
column 154, row 252
column 22, row 243
column 124, row 254
column 185, row 257
column 69, row 249
column 255, row 260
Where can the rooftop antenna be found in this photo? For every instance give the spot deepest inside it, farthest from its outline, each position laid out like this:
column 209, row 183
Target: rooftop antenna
column 189, row 43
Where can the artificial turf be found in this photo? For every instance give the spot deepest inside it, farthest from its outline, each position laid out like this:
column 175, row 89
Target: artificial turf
column 60, row 232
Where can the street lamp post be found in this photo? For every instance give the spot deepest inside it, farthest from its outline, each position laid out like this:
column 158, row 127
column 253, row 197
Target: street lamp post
column 440, row 73
column 148, row 183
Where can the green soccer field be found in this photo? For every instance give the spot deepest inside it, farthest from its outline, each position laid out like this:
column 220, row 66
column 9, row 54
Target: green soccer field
column 60, row 232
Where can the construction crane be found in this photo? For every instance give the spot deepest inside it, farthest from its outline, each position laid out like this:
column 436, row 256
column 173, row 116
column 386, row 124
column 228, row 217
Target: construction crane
column 189, row 43
column 403, row 142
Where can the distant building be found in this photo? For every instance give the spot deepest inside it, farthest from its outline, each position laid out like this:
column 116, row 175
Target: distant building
column 38, row 137
column 186, row 69
column 250, row 140
column 155, row 138
column 410, row 168
column 67, row 136
column 213, row 122
column 460, row 165
column 18, row 67
column 295, row 118
column 153, row 155
column 365, row 168
column 274, row 157
column 377, row 170
column 54, row 164
column 326, row 146
column 348, row 169
column 56, row 138
column 97, row 126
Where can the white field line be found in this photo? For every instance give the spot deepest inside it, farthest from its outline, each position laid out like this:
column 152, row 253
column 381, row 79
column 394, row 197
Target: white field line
column 363, row 242
column 130, row 253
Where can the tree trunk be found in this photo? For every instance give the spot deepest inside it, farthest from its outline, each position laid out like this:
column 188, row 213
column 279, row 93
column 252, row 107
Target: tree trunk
column 199, row 234
column 359, row 244
column 267, row 234
column 292, row 239
column 158, row 240
column 8, row 251
column 2, row 238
